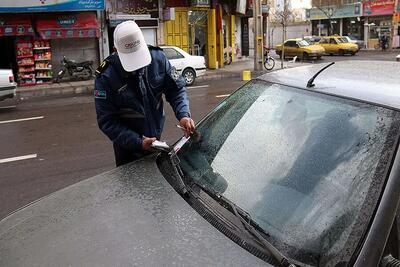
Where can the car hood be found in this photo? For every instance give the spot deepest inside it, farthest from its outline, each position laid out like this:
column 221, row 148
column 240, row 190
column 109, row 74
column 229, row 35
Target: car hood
column 130, row 215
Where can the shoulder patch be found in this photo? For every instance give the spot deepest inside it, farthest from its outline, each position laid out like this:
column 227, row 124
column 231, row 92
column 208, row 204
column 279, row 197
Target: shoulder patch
column 100, row 94
column 103, row 66
column 154, row 47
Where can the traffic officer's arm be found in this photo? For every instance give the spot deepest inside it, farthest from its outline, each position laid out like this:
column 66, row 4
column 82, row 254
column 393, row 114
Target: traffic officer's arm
column 175, row 94
column 109, row 121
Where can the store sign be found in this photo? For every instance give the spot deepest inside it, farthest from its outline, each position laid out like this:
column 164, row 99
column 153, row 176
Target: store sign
column 340, row 12
column 66, row 21
column 13, row 6
column 379, row 7
column 15, row 25
column 78, row 25
column 144, row 7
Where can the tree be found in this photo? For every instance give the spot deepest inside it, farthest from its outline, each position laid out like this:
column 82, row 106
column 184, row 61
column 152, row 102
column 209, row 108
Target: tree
column 283, row 15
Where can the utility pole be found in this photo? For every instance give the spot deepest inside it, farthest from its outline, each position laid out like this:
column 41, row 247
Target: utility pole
column 258, row 36
column 284, row 18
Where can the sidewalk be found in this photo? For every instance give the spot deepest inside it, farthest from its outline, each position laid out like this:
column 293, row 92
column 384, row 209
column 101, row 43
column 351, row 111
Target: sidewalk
column 86, row 87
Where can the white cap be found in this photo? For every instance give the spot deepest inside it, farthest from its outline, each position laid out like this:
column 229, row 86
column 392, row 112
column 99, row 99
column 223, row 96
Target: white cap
column 131, row 46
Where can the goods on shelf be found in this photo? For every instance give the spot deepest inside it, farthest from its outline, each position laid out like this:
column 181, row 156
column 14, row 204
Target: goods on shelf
column 42, row 56
column 28, row 61
column 23, row 48
column 25, row 62
column 41, row 44
column 43, row 74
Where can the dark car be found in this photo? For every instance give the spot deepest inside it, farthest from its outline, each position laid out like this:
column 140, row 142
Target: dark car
column 285, row 172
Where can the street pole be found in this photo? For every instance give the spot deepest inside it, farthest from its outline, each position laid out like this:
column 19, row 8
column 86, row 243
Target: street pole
column 258, row 35
column 284, row 21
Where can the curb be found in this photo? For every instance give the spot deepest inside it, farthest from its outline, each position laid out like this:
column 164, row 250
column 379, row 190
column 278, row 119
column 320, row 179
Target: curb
column 87, row 87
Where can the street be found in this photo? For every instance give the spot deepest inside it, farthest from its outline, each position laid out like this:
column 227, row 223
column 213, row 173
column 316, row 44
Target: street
column 50, row 143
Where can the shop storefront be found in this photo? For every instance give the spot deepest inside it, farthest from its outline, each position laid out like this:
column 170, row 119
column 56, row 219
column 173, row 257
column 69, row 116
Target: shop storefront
column 343, row 20
column 378, row 21
column 144, row 13
column 206, row 28
column 16, row 34
column 37, row 36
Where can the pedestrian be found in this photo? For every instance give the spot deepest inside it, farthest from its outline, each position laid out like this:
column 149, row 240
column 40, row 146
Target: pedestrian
column 384, row 41
column 128, row 94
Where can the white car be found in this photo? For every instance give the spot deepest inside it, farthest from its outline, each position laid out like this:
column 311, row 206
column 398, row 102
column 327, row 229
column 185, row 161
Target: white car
column 353, row 40
column 187, row 65
column 7, row 84
column 398, row 57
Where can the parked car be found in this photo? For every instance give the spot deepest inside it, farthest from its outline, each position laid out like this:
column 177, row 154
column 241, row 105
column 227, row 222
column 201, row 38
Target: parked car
column 398, row 57
column 287, row 171
column 187, row 65
column 353, row 40
column 338, row 45
column 301, row 49
column 7, row 84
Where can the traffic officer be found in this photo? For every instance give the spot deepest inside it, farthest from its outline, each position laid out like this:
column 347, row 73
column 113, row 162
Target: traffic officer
column 128, row 94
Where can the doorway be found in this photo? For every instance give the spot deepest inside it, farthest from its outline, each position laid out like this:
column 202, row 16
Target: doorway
column 198, row 32
column 8, row 59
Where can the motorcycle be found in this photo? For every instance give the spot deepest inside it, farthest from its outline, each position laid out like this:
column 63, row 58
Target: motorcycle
column 82, row 70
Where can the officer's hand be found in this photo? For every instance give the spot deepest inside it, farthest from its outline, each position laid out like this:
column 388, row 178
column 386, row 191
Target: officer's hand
column 146, row 143
column 188, row 124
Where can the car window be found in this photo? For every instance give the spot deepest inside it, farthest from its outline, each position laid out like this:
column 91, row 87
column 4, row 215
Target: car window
column 323, row 41
column 290, row 43
column 303, row 43
column 309, row 168
column 171, row 53
column 332, row 41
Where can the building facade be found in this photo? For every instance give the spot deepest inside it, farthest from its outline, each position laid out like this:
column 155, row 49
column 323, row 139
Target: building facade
column 209, row 28
column 367, row 20
column 38, row 34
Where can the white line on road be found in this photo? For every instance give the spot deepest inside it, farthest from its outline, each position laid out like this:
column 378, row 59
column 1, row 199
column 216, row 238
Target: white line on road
column 199, row 86
column 8, row 107
column 31, row 156
column 24, row 119
column 220, row 96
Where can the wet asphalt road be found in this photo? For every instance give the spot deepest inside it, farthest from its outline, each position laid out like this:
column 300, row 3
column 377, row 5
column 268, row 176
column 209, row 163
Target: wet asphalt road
column 63, row 145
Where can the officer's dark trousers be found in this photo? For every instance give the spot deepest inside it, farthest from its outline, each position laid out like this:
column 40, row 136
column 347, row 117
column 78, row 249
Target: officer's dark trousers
column 123, row 156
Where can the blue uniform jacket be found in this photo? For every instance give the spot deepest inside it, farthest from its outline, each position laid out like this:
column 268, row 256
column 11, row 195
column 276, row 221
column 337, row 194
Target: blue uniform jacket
column 130, row 106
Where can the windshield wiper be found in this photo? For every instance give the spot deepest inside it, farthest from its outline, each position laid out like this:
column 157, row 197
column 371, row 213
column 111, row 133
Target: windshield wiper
column 249, row 225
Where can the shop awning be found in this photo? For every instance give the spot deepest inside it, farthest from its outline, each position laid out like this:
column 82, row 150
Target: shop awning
column 15, row 25
column 73, row 25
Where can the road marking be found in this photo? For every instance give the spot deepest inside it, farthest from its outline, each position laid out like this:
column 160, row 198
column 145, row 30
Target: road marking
column 199, row 86
column 31, row 156
column 8, row 107
column 220, row 96
column 24, row 119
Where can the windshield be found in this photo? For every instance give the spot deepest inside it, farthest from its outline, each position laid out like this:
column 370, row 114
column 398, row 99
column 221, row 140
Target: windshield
column 303, row 43
column 307, row 167
column 342, row 40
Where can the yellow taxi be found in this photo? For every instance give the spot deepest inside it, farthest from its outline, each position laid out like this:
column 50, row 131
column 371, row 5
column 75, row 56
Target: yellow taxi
column 338, row 45
column 300, row 48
